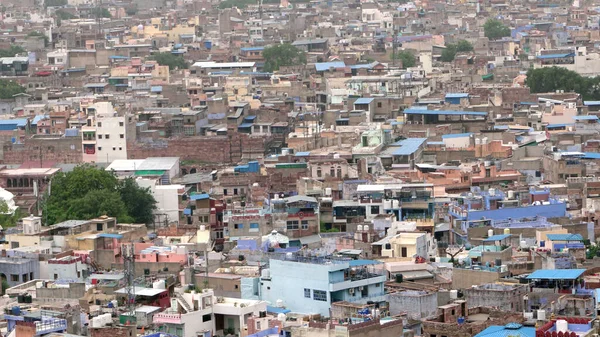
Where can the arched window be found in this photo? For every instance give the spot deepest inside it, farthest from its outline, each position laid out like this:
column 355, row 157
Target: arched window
column 332, row 171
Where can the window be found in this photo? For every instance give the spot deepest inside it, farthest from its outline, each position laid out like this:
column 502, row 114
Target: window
column 121, row 136
column 15, row 278
column 379, row 105
column 120, row 123
column 487, row 172
column 253, row 227
column 224, row 191
column 236, row 286
column 258, row 325
column 404, row 252
column 56, row 276
column 332, row 171
column 25, row 279
column 235, row 191
column 292, row 224
column 120, row 149
column 304, row 224
column 238, row 226
column 306, row 292
column 206, row 318
column 319, row 172
column 374, row 209
column 320, row 295
column 107, row 136
column 99, row 124
column 114, row 149
column 99, row 136
column 99, row 148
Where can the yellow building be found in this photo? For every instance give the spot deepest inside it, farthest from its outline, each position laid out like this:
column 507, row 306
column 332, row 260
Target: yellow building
column 160, row 27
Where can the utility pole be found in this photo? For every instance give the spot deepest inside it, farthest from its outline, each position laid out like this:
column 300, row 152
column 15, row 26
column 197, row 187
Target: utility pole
column 128, row 252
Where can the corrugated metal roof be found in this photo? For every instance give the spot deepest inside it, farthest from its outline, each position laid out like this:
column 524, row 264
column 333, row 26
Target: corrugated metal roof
column 564, row 237
column 556, row 274
column 457, row 135
column 367, row 100
column 149, row 172
column 110, row 235
column 457, row 95
column 498, row 237
column 407, row 146
column 324, row 66
column 586, row 118
column 555, row 56
column 201, row 196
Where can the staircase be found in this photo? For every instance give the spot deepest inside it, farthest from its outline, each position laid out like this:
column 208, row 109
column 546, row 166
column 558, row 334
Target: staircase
column 183, row 302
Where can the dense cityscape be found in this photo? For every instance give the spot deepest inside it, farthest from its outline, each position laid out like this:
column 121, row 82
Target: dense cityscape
column 299, row 168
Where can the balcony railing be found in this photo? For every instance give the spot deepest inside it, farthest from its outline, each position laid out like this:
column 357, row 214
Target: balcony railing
column 167, row 318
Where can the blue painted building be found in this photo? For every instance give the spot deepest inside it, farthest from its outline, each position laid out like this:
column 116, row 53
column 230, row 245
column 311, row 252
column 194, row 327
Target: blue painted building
column 455, row 98
column 309, row 284
column 484, row 208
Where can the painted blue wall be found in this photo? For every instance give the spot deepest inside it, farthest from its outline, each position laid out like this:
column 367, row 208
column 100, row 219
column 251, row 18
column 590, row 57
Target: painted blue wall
column 548, row 211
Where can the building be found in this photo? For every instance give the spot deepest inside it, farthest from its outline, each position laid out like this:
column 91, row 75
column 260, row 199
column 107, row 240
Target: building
column 104, row 138
column 501, row 296
column 323, row 281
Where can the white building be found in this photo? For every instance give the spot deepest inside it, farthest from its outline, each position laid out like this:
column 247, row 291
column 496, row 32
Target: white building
column 105, row 136
column 203, row 314
column 166, row 196
column 68, row 268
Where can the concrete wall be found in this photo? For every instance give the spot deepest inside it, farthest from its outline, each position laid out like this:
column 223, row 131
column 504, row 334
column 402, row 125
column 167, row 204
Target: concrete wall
column 75, row 291
column 417, row 304
column 505, row 298
column 465, row 278
column 19, row 270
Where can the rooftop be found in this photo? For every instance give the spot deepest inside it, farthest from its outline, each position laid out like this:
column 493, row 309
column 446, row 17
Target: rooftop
column 559, row 274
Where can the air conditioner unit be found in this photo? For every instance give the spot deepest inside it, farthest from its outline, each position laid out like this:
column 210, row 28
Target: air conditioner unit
column 351, row 291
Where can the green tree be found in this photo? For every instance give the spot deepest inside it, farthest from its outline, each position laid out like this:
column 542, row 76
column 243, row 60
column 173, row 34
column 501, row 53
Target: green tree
column 449, row 53
column 452, row 49
column 241, row 4
column 140, row 202
column 97, row 203
column 408, row 59
column 64, row 15
column 494, row 29
column 8, row 218
column 169, row 59
column 40, row 34
column 55, row 3
column 100, row 12
column 12, row 51
column 5, row 285
column 550, row 79
column 463, row 46
column 88, row 192
column 9, row 88
column 282, row 55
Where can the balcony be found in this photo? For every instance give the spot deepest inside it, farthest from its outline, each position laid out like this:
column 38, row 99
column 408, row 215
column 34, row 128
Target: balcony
column 353, row 282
